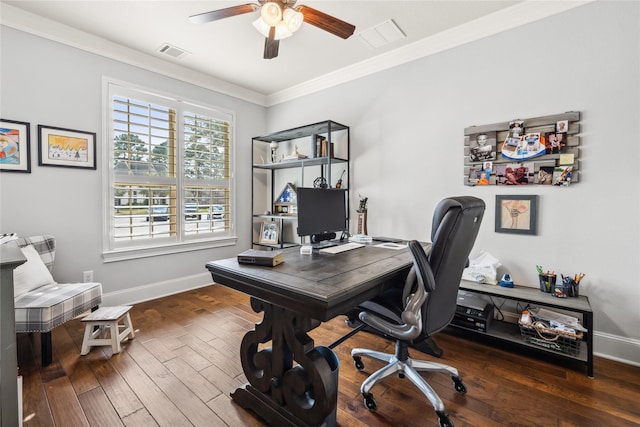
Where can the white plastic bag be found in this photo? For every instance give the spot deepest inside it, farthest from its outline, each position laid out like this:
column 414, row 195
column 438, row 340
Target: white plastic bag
column 482, row 269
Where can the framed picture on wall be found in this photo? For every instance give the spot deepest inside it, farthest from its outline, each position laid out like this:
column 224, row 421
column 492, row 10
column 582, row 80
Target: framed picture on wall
column 269, row 232
column 516, row 214
column 15, row 146
column 66, row 147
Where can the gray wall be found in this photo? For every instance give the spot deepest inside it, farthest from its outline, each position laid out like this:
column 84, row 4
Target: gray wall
column 407, row 128
column 407, row 144
column 44, row 82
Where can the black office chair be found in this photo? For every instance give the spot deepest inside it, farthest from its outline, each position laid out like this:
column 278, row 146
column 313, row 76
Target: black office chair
column 427, row 303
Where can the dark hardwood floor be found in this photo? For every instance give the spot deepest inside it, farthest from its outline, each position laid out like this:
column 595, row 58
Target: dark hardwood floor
column 184, row 362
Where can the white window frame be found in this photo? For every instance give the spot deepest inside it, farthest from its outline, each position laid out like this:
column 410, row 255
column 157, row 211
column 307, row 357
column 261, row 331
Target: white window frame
column 180, row 242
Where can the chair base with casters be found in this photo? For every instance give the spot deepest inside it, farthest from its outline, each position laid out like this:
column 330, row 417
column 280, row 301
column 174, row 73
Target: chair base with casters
column 402, row 364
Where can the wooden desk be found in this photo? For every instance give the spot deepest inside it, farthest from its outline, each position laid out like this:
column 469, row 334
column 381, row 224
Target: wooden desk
column 295, row 297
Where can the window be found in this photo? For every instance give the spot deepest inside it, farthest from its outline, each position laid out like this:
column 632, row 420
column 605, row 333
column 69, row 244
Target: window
column 170, row 170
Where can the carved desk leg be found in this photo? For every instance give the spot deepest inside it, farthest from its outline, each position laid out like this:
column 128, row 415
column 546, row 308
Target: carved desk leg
column 304, row 395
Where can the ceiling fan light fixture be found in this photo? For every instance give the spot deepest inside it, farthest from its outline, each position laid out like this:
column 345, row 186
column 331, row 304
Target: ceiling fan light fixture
column 282, row 32
column 293, row 19
column 271, row 13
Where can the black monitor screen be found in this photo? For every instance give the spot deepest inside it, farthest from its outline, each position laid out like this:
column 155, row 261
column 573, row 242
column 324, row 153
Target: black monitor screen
column 321, row 210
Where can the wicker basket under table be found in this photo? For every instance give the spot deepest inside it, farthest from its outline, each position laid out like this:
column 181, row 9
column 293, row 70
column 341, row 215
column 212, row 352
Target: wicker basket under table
column 539, row 334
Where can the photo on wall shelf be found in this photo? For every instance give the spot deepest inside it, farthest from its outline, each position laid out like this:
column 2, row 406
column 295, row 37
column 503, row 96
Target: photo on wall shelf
column 516, row 129
column 562, row 126
column 562, row 175
column 515, row 173
column 544, row 175
column 482, row 146
column 474, row 175
column 15, row 146
column 555, row 142
column 516, row 214
column 480, row 174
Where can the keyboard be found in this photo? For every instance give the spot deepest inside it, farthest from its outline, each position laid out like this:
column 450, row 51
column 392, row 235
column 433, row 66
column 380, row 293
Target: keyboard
column 341, row 248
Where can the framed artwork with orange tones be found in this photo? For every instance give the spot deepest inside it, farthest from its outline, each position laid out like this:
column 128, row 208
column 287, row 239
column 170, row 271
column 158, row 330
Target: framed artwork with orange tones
column 66, row 147
column 516, row 214
column 15, row 148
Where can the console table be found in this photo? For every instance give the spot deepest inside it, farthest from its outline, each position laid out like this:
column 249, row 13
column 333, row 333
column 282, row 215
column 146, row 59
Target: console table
column 10, row 257
column 510, row 332
column 295, row 297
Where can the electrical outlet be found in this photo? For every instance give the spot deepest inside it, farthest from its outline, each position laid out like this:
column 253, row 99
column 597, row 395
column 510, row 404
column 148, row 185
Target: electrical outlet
column 87, row 276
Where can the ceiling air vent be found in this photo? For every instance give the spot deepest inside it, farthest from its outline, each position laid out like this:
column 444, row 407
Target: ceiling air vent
column 172, row 51
column 382, row 34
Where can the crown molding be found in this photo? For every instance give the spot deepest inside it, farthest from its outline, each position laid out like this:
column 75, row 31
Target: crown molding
column 515, row 16
column 43, row 27
column 497, row 22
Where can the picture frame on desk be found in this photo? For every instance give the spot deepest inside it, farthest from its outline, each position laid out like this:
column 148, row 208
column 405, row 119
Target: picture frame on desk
column 516, row 214
column 269, row 232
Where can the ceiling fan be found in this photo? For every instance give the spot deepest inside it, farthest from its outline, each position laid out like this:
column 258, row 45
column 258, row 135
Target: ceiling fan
column 279, row 19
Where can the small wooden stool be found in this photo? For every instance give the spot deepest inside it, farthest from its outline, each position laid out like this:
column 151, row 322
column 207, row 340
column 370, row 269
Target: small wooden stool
column 107, row 318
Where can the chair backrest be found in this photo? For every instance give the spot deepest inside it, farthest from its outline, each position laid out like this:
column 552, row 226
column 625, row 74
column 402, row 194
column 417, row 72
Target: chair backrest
column 455, row 226
column 45, row 245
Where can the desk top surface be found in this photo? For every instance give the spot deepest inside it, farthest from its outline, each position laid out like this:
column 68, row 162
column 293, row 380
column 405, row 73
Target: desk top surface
column 322, row 285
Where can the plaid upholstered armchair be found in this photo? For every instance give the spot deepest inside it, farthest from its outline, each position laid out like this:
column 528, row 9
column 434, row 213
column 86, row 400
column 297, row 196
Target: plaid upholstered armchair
column 41, row 304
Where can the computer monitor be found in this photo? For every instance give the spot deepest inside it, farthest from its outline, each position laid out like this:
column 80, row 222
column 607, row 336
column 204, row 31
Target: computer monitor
column 321, row 213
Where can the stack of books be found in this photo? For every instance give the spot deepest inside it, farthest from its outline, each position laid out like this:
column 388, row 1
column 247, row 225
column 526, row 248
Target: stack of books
column 267, row 258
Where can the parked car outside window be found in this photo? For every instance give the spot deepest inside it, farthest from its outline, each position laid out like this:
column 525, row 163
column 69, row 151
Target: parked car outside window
column 158, row 213
column 191, row 211
column 217, row 211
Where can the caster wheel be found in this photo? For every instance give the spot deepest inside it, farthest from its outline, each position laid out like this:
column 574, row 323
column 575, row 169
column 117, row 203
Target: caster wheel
column 443, row 420
column 358, row 362
column 370, row 402
column 459, row 385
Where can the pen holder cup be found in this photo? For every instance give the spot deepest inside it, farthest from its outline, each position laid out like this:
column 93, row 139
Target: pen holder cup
column 566, row 288
column 570, row 287
column 547, row 282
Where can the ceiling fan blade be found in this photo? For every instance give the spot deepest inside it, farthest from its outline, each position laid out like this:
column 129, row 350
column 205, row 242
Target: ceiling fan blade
column 271, row 45
column 326, row 22
column 214, row 15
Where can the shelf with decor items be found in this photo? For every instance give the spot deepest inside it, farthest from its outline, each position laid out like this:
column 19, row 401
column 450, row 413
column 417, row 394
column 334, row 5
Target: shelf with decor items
column 313, row 155
column 578, row 348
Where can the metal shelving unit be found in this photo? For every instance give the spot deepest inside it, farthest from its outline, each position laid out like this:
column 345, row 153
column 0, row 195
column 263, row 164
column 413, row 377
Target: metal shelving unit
column 272, row 176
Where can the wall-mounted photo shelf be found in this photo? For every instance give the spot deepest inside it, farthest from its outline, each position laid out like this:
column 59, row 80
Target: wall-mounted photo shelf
column 524, row 151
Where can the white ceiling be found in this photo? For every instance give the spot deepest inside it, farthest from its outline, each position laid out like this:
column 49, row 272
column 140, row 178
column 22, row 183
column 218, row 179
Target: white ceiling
column 227, row 54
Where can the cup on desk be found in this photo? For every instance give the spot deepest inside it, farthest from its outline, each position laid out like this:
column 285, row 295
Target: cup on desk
column 547, row 282
column 565, row 288
column 570, row 287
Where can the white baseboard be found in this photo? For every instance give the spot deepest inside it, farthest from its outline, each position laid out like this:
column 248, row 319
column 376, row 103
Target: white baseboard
column 156, row 290
column 614, row 347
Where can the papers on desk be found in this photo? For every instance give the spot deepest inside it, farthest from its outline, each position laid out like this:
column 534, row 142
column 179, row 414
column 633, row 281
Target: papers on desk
column 390, row 245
